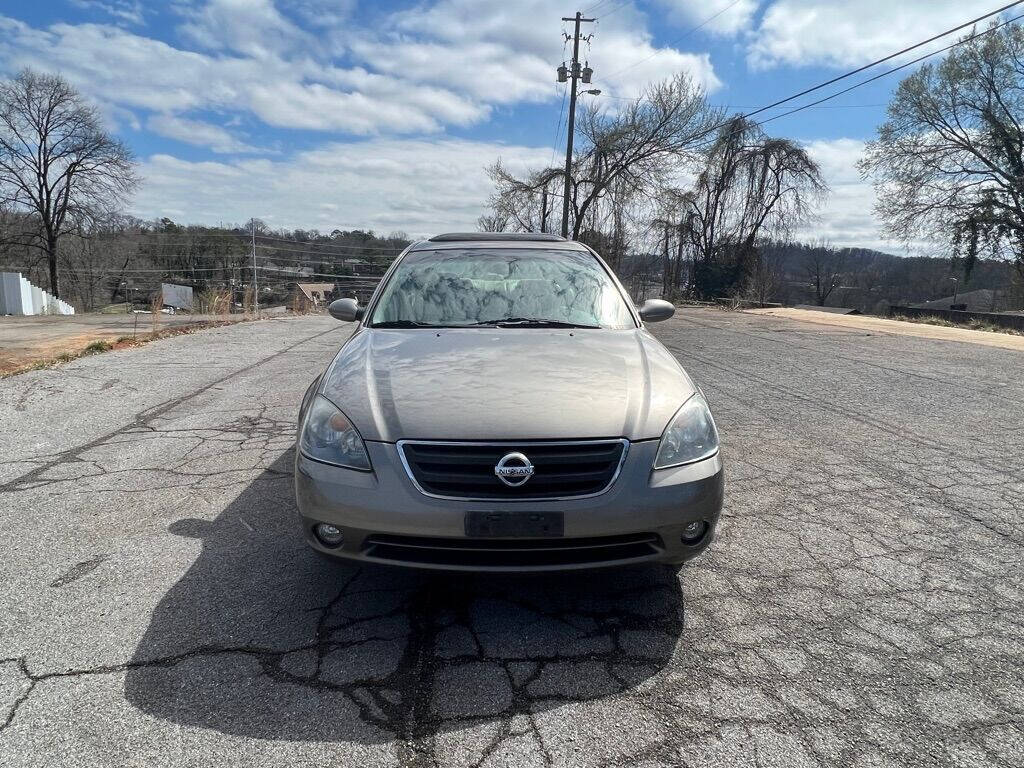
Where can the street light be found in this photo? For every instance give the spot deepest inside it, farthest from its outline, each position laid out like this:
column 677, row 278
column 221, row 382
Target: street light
column 594, row 91
column 956, row 284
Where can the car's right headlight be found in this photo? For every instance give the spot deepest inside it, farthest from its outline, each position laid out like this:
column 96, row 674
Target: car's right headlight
column 328, row 436
column 690, row 436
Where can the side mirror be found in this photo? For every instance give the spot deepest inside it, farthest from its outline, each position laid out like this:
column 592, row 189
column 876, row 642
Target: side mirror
column 345, row 310
column 655, row 310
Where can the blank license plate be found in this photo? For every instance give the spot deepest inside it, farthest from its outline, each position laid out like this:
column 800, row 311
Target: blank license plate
column 513, row 524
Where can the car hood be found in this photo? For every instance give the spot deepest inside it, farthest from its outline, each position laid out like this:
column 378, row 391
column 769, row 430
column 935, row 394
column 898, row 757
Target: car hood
column 506, row 384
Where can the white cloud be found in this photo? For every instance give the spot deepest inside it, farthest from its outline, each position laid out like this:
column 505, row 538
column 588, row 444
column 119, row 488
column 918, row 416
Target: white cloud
column 726, row 17
column 846, row 217
column 841, row 33
column 407, row 72
column 415, row 185
column 130, row 71
column 249, row 27
column 311, row 66
column 129, row 11
column 505, row 52
column 199, row 133
column 624, row 64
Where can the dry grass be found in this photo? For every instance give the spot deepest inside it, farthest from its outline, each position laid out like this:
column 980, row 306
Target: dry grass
column 155, row 306
column 973, row 324
column 213, row 302
column 300, row 306
column 249, row 300
column 103, row 345
column 100, row 345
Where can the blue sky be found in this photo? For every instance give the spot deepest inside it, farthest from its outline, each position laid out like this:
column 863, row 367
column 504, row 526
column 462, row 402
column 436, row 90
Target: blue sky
column 340, row 113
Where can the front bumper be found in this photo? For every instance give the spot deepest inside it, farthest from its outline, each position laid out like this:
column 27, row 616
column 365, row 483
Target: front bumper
column 386, row 519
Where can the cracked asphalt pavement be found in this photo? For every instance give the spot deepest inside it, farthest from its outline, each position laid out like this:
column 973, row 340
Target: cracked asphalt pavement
column 862, row 605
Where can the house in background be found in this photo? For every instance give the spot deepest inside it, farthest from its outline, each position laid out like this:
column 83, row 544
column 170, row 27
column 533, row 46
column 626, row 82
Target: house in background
column 309, row 297
column 981, row 300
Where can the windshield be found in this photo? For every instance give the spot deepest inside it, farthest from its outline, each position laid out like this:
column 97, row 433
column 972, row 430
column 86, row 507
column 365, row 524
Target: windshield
column 501, row 286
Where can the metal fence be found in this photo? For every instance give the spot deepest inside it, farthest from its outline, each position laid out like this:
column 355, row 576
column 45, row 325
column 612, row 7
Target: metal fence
column 1015, row 321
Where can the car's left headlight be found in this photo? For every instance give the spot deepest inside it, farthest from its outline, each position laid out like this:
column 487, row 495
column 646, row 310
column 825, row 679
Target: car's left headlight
column 690, row 435
column 328, row 436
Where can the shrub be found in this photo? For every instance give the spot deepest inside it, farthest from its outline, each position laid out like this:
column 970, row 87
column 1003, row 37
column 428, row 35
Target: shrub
column 100, row 345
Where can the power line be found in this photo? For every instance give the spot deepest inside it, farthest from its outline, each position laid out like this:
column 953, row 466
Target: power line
column 865, row 82
column 276, row 248
column 894, row 69
column 237, row 236
column 619, row 7
column 115, row 274
column 135, row 270
column 558, row 128
column 677, row 40
column 727, row 122
column 829, row 106
column 327, row 245
column 891, row 56
column 328, row 253
column 594, row 8
column 338, row 277
column 96, row 235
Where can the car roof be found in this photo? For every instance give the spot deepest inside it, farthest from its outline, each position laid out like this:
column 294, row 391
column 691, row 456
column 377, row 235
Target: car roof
column 452, row 237
column 497, row 240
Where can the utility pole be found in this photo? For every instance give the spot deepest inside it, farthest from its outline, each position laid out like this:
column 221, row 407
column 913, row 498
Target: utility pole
column 544, row 209
column 574, row 74
column 255, row 285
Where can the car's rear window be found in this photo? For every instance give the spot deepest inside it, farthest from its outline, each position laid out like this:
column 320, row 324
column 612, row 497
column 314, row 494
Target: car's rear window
column 478, row 286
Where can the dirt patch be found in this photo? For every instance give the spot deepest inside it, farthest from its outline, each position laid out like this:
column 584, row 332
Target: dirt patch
column 46, row 354
column 897, row 327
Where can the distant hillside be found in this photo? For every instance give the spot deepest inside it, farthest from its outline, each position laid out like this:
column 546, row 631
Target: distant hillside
column 871, row 281
column 860, row 278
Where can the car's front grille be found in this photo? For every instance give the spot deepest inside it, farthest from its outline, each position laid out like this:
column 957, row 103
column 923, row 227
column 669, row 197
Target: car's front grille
column 513, row 553
column 467, row 470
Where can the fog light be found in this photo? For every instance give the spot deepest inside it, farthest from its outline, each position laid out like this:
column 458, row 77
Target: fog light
column 693, row 532
column 329, row 535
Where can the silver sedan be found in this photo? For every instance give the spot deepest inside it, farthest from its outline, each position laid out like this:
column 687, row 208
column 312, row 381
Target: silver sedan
column 501, row 406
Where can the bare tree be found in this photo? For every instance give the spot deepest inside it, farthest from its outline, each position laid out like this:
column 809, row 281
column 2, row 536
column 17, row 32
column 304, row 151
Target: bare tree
column 619, row 152
column 56, row 161
column 948, row 164
column 492, row 223
column 823, row 266
column 765, row 278
column 752, row 187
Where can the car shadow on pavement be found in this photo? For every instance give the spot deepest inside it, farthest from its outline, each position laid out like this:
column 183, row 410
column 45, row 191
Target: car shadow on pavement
column 261, row 638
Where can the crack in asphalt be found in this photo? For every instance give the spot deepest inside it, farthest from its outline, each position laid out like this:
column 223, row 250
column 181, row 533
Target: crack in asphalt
column 874, row 461
column 142, row 421
column 78, row 570
column 862, row 603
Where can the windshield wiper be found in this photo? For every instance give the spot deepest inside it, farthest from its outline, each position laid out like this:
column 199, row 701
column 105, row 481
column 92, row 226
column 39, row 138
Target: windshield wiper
column 405, row 324
column 505, row 322
column 533, row 322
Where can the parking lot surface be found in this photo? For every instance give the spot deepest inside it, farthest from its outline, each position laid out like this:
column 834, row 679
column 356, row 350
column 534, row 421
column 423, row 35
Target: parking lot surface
column 863, row 604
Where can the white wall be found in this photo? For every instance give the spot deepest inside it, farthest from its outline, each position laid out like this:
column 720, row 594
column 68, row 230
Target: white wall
column 19, row 297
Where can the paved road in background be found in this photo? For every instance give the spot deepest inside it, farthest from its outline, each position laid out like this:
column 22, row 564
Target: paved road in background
column 863, row 604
